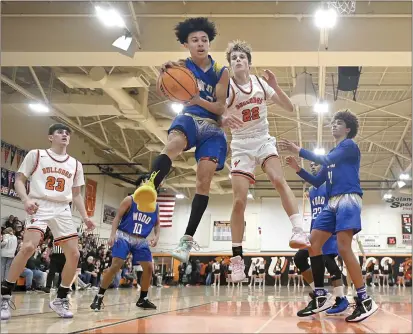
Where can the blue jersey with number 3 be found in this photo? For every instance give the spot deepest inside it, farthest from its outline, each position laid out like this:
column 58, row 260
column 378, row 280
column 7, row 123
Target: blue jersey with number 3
column 137, row 222
column 318, row 199
column 207, row 82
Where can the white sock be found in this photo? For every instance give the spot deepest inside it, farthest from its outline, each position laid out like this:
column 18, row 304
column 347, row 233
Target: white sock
column 339, row 291
column 236, row 244
column 312, row 285
column 297, row 222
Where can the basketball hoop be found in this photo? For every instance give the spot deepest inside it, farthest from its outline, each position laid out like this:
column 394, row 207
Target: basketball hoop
column 343, row 7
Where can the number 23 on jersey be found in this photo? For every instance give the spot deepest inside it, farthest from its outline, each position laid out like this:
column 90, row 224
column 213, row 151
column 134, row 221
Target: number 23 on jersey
column 56, row 184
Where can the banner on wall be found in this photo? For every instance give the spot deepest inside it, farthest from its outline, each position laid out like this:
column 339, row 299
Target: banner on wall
column 222, row 231
column 406, row 229
column 109, row 213
column 407, row 239
column 370, row 241
column 400, row 201
column 8, row 179
column 90, row 197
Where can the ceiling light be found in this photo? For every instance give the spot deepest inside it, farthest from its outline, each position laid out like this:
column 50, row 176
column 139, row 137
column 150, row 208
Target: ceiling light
column 404, row 176
column 249, row 196
column 321, row 107
column 110, row 17
column 39, row 107
column 319, row 151
column 179, row 196
column 401, row 184
column 387, row 196
column 177, row 107
column 325, row 18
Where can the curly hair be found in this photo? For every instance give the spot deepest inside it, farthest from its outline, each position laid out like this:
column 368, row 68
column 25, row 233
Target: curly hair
column 183, row 29
column 351, row 121
column 238, row 46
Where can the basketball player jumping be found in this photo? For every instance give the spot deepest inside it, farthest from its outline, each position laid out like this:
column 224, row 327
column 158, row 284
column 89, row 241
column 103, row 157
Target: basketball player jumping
column 252, row 146
column 342, row 214
column 318, row 199
column 130, row 228
column 198, row 125
column 55, row 180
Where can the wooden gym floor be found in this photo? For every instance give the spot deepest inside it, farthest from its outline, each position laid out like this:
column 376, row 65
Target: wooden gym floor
column 206, row 309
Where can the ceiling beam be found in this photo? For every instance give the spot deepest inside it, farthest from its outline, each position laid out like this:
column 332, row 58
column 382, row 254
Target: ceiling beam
column 261, row 59
column 406, row 129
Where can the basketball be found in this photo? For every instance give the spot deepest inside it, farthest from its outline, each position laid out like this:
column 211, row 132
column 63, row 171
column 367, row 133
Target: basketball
column 178, row 84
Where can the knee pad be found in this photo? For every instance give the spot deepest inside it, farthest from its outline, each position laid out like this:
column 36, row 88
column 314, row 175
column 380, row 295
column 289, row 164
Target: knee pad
column 301, row 260
column 332, row 268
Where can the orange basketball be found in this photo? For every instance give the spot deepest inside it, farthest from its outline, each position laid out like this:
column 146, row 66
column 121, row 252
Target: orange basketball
column 178, row 84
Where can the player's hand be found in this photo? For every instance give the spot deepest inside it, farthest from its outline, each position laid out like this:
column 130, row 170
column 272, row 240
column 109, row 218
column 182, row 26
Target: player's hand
column 31, row 207
column 170, row 64
column 232, row 122
column 286, row 145
column 89, row 223
column 111, row 240
column 270, row 78
column 153, row 242
column 194, row 100
column 293, row 163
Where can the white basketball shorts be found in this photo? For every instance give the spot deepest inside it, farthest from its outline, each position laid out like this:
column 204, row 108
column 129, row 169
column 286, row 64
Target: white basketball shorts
column 248, row 153
column 58, row 216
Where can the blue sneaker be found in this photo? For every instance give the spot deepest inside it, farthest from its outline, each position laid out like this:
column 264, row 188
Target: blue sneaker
column 339, row 306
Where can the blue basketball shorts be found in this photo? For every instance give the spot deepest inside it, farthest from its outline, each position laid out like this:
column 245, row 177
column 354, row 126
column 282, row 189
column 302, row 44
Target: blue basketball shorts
column 206, row 136
column 126, row 243
column 342, row 213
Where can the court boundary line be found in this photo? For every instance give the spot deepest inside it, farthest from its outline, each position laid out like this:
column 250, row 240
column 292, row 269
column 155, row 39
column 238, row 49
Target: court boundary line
column 271, row 319
column 398, row 316
column 137, row 318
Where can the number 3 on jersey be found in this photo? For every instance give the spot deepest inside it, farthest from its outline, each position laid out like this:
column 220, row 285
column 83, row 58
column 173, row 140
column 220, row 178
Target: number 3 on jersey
column 55, row 184
column 250, row 114
column 137, row 229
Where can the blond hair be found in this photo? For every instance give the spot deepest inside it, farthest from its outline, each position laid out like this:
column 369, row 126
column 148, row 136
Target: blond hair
column 238, row 46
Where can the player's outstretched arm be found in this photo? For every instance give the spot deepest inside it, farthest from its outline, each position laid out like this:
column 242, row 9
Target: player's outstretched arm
column 221, row 91
column 347, row 150
column 279, row 97
column 316, row 181
column 124, row 207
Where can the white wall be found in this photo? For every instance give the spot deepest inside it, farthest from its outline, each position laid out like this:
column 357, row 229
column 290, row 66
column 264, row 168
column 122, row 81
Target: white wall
column 377, row 219
column 30, row 133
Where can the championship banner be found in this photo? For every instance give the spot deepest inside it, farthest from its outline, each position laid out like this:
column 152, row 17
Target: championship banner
column 109, row 213
column 13, row 150
column 6, row 152
column 222, row 231
column 8, row 179
column 19, row 157
column 90, row 197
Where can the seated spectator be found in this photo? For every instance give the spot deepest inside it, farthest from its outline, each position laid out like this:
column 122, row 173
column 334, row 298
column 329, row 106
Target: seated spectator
column 30, row 273
column 88, row 270
column 9, row 222
column 18, row 228
column 8, row 249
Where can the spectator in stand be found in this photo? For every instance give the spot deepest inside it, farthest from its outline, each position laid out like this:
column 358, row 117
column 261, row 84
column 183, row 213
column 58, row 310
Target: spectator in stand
column 88, row 270
column 30, row 273
column 8, row 249
column 18, row 228
column 9, row 222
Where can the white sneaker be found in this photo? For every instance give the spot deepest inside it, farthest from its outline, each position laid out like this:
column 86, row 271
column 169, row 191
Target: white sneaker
column 299, row 240
column 181, row 253
column 238, row 269
column 5, row 307
column 61, row 307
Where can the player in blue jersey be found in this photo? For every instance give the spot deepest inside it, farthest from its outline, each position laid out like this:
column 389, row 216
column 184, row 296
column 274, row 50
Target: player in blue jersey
column 130, row 228
column 198, row 126
column 342, row 214
column 318, row 199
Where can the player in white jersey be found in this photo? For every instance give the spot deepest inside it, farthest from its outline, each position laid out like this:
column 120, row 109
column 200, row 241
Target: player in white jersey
column 55, row 180
column 253, row 146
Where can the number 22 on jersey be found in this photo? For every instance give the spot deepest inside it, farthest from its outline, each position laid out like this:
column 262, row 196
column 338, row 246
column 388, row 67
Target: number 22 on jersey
column 250, row 114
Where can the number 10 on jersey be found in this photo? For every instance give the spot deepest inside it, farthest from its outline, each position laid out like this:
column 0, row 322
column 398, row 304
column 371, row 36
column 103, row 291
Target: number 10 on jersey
column 137, row 229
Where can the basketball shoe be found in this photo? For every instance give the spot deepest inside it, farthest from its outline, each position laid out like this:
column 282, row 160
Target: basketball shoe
column 238, row 269
column 339, row 307
column 299, row 239
column 316, row 305
column 6, row 304
column 146, row 304
column 61, row 307
column 364, row 309
column 97, row 304
column 181, row 253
